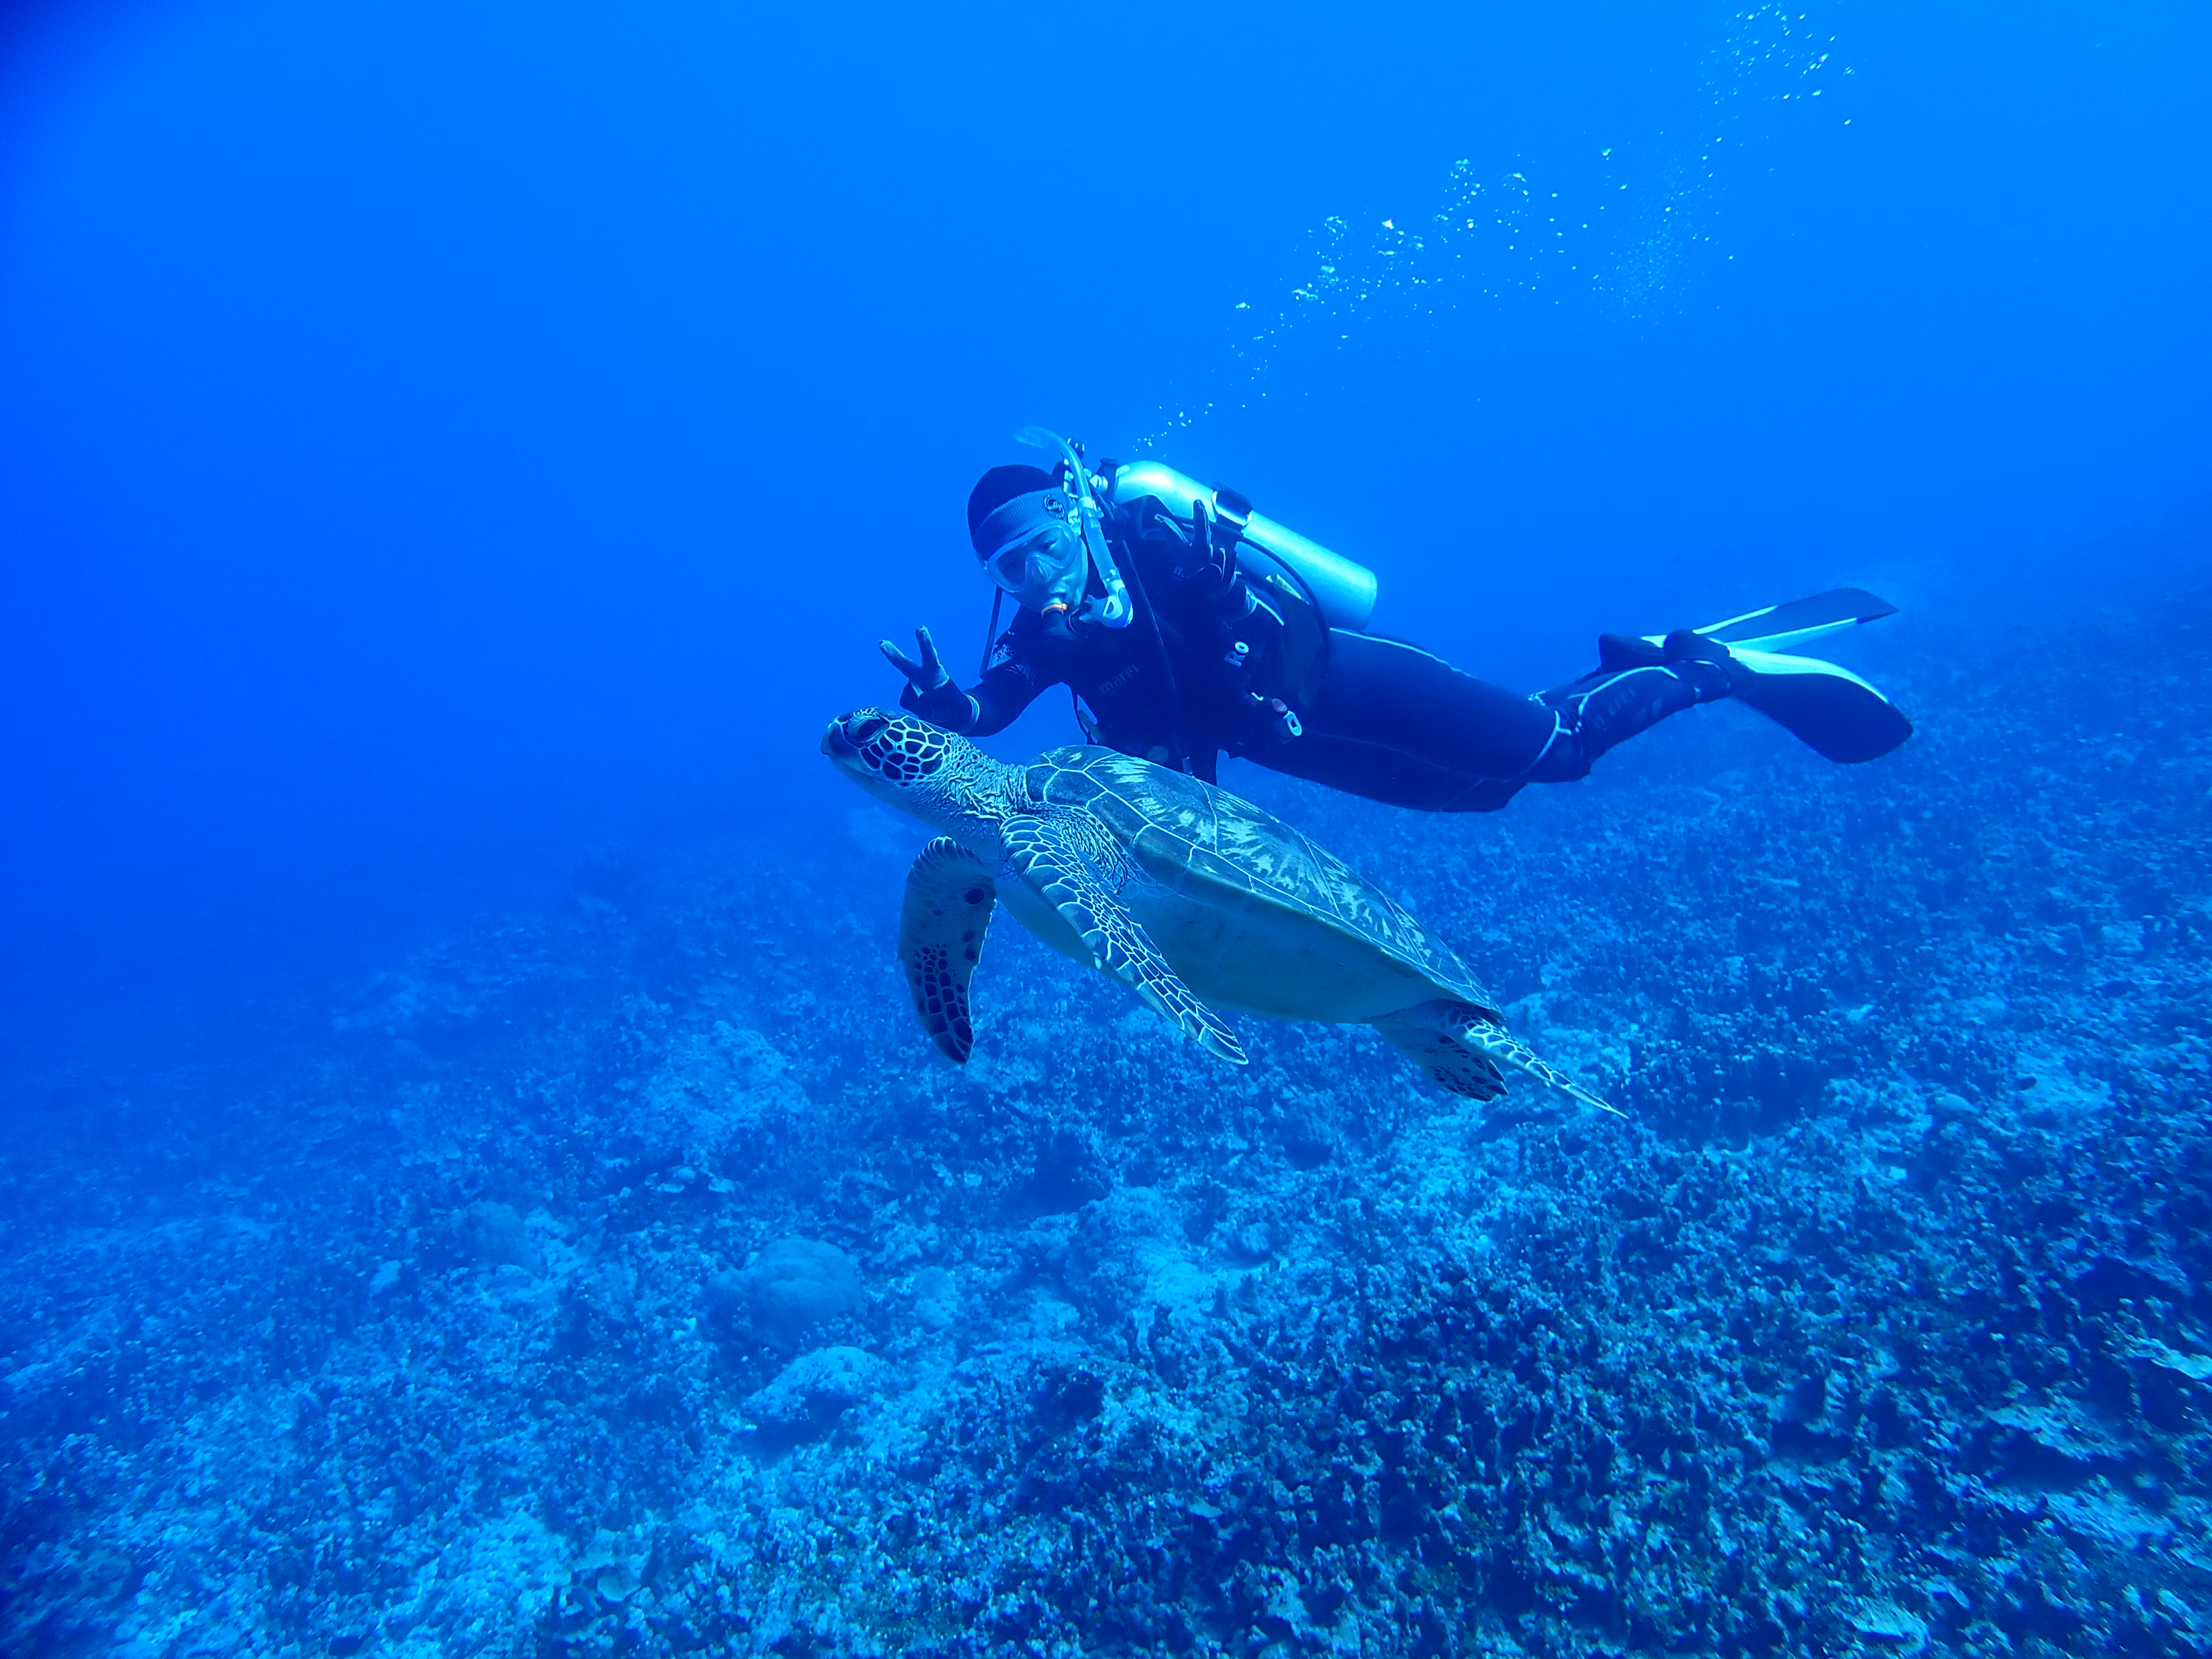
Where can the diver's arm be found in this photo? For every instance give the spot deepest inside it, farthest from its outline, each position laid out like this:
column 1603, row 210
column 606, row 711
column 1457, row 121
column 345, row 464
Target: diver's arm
column 1226, row 617
column 1236, row 606
column 1001, row 695
column 1197, row 562
column 1037, row 652
column 997, row 701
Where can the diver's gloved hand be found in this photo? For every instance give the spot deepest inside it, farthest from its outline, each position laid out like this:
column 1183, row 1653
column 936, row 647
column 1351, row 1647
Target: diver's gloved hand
column 930, row 691
column 1214, row 546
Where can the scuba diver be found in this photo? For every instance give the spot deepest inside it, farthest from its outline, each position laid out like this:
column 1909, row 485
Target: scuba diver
column 1192, row 626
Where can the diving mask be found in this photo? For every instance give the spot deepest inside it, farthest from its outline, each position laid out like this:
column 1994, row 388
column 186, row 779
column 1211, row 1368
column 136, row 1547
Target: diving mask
column 1040, row 557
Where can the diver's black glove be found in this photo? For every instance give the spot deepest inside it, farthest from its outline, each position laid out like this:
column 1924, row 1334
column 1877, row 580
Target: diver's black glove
column 930, row 691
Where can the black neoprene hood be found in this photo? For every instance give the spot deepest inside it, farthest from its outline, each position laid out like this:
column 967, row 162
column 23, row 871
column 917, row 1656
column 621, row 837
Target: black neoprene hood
column 994, row 490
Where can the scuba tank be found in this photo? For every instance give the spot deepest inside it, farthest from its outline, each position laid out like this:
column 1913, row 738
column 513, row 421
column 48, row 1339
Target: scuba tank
column 1339, row 590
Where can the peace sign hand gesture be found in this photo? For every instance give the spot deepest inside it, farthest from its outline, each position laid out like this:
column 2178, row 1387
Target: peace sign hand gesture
column 923, row 677
column 930, row 690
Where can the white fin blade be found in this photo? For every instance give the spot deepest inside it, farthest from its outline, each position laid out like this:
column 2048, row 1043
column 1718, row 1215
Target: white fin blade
column 1775, row 662
column 1796, row 622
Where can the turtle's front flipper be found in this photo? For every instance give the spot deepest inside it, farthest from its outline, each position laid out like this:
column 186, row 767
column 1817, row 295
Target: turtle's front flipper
column 1465, row 1052
column 949, row 896
column 1066, row 878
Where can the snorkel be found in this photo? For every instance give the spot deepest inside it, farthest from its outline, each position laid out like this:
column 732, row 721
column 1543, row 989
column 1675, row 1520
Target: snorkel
column 1086, row 517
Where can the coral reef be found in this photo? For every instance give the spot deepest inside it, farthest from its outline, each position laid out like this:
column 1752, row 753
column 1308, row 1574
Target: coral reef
column 633, row 1280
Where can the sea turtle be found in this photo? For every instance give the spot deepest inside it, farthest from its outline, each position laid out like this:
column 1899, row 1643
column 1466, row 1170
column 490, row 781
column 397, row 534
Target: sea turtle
column 1194, row 899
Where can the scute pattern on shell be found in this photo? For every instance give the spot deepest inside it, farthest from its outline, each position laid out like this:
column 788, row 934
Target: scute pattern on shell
column 1241, row 843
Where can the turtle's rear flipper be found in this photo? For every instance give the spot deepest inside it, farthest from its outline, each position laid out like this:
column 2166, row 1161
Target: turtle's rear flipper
column 1452, row 1066
column 1466, row 1053
column 1065, row 876
column 949, row 899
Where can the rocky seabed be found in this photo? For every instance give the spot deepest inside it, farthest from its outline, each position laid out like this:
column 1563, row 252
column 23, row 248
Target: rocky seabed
column 630, row 1278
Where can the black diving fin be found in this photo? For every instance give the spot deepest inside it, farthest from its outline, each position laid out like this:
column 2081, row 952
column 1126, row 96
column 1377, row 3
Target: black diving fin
column 1830, row 709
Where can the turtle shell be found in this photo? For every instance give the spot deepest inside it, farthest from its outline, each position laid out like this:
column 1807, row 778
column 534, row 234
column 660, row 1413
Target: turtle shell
column 1250, row 912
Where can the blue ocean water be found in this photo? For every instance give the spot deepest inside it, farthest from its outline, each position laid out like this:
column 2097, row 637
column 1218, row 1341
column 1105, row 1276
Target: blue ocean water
column 474, row 1181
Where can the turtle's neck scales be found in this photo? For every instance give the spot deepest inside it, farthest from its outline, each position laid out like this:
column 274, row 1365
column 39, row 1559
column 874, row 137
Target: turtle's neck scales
column 971, row 795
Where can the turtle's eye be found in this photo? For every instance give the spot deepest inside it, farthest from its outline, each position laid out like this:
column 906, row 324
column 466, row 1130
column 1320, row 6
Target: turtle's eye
column 867, row 729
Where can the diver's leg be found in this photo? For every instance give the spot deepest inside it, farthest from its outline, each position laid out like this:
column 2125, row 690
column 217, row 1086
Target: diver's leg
column 1390, row 696
column 1396, row 696
column 1631, row 692
column 1377, row 773
column 1395, row 724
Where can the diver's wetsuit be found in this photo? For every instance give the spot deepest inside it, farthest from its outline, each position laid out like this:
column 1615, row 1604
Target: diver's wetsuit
column 1380, row 718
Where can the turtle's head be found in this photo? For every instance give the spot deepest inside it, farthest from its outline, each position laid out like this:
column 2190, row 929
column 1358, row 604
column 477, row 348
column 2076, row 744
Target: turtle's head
column 918, row 768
